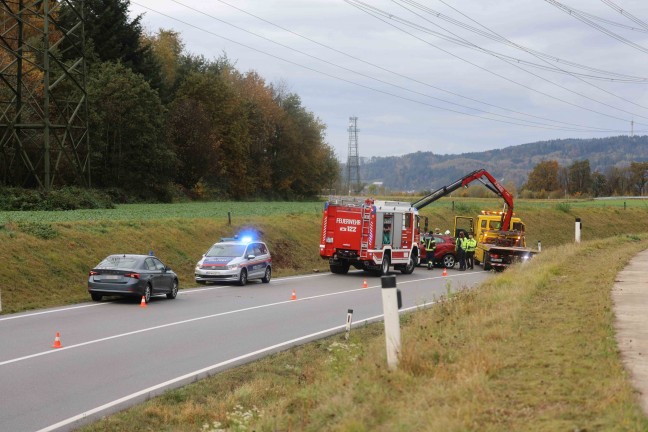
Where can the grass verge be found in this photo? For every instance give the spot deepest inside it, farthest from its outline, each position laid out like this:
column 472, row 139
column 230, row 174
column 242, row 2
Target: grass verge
column 533, row 349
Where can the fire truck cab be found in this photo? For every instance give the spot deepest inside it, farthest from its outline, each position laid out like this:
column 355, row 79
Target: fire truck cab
column 370, row 235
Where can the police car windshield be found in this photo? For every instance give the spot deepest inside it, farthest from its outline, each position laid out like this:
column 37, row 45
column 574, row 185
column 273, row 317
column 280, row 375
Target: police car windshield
column 226, row 250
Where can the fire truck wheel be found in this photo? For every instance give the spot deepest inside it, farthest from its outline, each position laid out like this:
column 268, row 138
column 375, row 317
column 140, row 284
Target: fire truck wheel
column 384, row 269
column 339, row 268
column 409, row 267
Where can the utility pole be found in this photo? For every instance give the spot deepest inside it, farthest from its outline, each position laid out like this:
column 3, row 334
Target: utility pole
column 43, row 108
column 631, row 128
column 353, row 161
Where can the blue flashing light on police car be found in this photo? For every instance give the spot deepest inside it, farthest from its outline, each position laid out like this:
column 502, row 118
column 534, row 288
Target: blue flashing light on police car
column 235, row 260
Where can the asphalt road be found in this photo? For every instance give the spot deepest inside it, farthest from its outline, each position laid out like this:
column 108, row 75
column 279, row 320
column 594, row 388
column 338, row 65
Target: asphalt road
column 115, row 354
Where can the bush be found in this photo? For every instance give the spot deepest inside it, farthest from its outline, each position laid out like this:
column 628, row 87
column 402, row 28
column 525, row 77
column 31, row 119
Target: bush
column 563, row 207
column 40, row 230
column 66, row 198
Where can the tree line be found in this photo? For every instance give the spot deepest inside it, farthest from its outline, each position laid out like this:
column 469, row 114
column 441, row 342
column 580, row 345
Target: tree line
column 162, row 119
column 549, row 179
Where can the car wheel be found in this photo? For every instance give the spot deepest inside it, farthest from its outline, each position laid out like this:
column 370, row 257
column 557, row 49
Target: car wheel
column 449, row 261
column 409, row 267
column 268, row 275
column 242, row 277
column 487, row 264
column 174, row 290
column 384, row 268
column 147, row 293
column 96, row 297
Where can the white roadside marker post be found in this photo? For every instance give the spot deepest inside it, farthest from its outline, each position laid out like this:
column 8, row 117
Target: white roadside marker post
column 579, row 226
column 348, row 323
column 391, row 304
column 539, row 246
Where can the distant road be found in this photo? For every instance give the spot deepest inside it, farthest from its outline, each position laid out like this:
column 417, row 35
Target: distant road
column 116, row 354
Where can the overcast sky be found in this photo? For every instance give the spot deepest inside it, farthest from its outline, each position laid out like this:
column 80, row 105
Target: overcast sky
column 447, row 76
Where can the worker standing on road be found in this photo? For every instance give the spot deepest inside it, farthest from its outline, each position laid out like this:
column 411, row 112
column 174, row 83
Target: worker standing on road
column 461, row 250
column 430, row 247
column 471, row 245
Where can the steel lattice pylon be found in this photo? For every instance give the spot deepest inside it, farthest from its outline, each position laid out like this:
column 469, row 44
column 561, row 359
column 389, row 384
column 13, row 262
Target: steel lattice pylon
column 43, row 102
column 353, row 161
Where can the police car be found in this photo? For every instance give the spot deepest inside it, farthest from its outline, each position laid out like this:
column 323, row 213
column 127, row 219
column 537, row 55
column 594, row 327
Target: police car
column 233, row 260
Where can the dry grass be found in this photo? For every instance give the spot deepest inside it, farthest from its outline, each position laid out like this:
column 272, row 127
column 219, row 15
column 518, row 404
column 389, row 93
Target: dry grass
column 531, row 350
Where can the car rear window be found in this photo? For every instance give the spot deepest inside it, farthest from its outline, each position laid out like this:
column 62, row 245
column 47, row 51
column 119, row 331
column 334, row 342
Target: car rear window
column 119, row 262
column 226, row 250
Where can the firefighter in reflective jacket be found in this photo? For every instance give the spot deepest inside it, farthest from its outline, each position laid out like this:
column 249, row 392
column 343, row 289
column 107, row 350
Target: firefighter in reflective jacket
column 471, row 245
column 430, row 247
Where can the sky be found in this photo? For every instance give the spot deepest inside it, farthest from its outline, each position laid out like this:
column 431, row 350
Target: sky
column 446, row 76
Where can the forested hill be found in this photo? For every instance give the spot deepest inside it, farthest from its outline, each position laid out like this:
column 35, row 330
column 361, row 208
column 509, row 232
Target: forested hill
column 426, row 170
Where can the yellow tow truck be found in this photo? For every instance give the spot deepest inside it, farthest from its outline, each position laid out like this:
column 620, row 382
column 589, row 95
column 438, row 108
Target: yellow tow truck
column 497, row 247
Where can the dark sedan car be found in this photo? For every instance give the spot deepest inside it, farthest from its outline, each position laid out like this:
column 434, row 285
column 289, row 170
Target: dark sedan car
column 129, row 275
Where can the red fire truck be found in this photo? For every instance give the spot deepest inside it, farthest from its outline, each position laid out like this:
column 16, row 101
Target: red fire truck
column 374, row 235
column 370, row 235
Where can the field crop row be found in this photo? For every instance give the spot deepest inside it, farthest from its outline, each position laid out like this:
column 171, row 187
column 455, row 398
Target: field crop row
column 198, row 210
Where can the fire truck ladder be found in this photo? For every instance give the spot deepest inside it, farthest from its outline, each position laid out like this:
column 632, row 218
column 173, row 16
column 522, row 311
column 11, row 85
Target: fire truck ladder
column 366, row 222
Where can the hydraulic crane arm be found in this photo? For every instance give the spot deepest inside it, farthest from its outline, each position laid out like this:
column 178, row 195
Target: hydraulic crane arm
column 479, row 174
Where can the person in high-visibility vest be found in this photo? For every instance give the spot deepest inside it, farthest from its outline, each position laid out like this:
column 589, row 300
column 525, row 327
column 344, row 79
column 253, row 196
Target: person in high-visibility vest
column 471, row 245
column 461, row 250
column 430, row 247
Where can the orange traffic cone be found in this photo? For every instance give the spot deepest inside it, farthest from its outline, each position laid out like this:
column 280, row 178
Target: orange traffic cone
column 57, row 341
column 143, row 302
column 445, row 272
column 364, row 284
column 293, row 296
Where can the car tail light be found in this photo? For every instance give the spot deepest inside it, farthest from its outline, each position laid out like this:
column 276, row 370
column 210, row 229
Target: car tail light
column 132, row 275
column 93, row 273
column 494, row 256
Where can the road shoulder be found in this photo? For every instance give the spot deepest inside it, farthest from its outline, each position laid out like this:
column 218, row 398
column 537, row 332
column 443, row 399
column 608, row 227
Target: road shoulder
column 630, row 302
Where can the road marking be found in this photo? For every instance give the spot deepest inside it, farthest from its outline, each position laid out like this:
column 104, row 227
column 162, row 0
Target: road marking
column 180, row 292
column 154, row 389
column 28, row 315
column 144, row 330
column 117, row 336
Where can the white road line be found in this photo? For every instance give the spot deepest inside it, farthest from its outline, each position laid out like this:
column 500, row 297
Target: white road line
column 181, row 292
column 157, row 387
column 28, row 315
column 69, row 347
column 91, row 342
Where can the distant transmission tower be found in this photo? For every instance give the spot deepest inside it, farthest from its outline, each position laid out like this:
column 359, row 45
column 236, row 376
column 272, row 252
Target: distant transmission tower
column 43, row 102
column 353, row 162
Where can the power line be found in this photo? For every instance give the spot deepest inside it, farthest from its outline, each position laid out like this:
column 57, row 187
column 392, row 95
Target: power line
column 379, row 67
column 390, row 71
column 370, row 10
column 576, row 76
column 539, row 126
column 578, row 16
column 626, row 14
